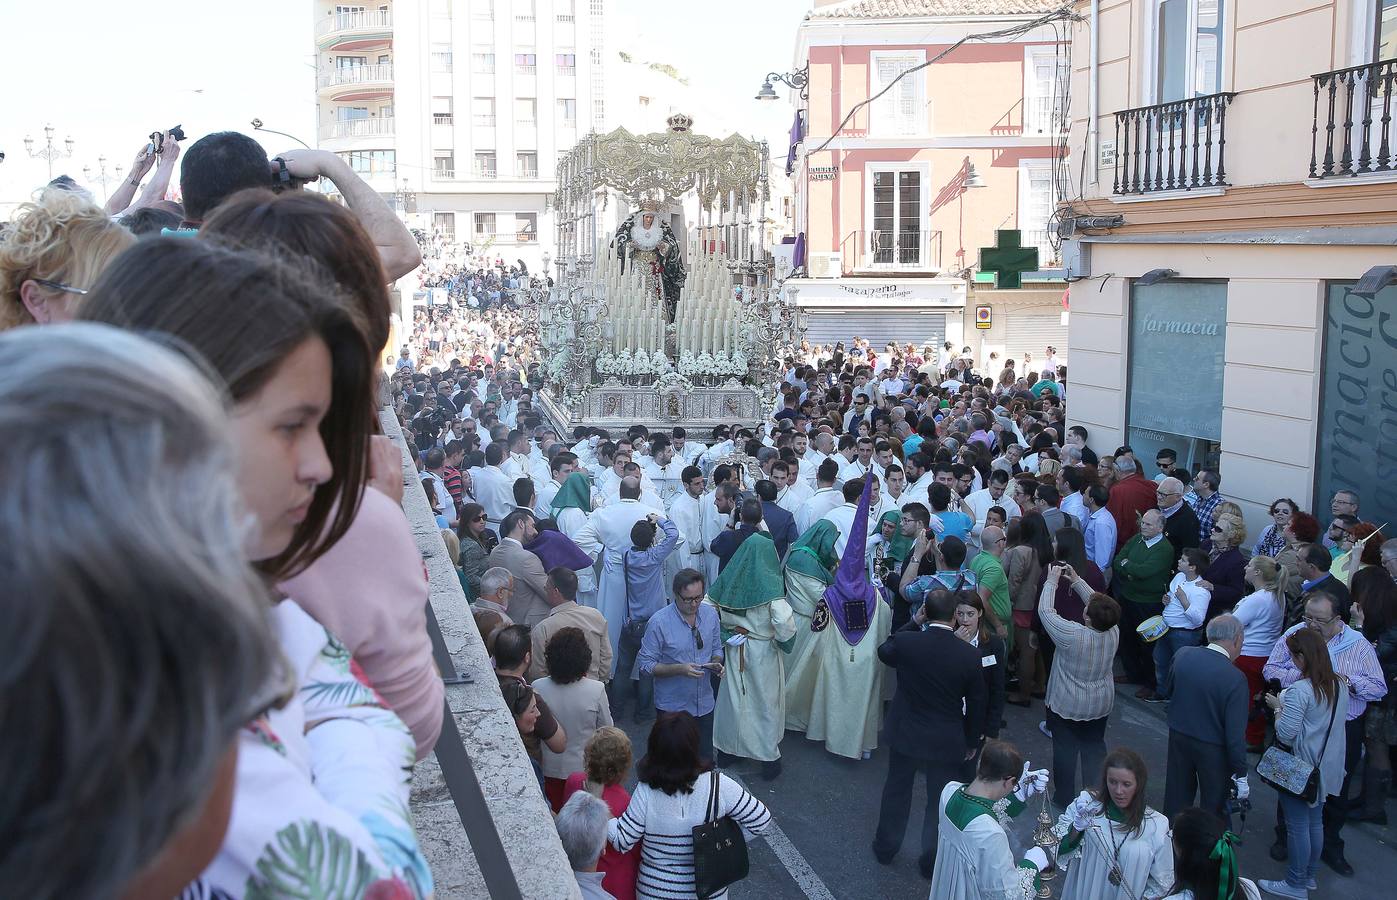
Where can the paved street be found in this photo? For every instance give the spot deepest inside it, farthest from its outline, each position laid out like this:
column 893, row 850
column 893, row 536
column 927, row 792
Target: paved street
column 827, row 810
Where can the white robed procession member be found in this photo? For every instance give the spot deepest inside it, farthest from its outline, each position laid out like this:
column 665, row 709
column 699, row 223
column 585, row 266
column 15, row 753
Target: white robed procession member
column 809, row 571
column 846, row 706
column 1114, row 847
column 608, row 532
column 973, row 859
column 758, row 630
column 570, row 510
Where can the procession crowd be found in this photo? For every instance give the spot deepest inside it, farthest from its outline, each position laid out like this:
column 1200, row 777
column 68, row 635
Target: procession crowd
column 216, row 643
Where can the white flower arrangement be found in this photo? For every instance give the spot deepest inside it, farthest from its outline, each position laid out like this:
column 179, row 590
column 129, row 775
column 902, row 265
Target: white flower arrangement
column 625, row 365
column 672, row 380
column 558, row 364
column 606, row 364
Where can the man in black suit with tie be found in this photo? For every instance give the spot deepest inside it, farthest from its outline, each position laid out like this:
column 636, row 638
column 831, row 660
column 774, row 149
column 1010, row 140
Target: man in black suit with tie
column 936, row 722
column 1208, row 706
column 779, row 522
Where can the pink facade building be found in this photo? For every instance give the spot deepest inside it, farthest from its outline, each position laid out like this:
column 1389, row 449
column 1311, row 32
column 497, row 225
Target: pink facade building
column 896, row 197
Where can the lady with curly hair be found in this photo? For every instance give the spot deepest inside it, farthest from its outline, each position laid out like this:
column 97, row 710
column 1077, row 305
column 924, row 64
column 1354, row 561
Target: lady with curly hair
column 1225, row 575
column 577, row 701
column 606, row 761
column 1272, row 539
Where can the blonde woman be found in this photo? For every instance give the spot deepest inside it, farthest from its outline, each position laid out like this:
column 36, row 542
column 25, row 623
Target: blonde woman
column 1262, row 614
column 51, row 254
column 1224, row 576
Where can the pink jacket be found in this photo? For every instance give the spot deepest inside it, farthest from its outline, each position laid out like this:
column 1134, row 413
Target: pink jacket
column 370, row 591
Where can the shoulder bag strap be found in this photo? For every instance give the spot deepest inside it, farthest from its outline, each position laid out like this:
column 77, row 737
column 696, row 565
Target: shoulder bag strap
column 1334, row 710
column 626, row 583
column 713, row 796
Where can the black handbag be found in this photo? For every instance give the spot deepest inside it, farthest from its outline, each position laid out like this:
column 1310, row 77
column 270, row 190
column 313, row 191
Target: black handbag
column 633, row 628
column 720, row 849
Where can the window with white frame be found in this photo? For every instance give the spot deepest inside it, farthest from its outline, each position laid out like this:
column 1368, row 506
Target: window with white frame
column 1045, row 77
column 1037, row 199
column 485, row 164
column 445, row 223
column 902, row 110
column 441, row 111
column 526, row 163
column 444, row 163
column 483, row 62
column 526, row 111
column 483, row 111
column 897, row 216
column 1384, row 30
column 567, row 111
column 1187, row 46
column 484, row 225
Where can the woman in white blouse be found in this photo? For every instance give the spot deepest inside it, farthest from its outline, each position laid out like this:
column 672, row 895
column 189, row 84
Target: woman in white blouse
column 672, row 797
column 1262, row 614
column 1113, row 846
column 576, row 701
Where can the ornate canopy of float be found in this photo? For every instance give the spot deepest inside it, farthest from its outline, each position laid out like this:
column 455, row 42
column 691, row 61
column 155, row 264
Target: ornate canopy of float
column 663, row 310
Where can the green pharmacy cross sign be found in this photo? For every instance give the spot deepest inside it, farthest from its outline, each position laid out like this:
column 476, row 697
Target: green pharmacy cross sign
column 1007, row 260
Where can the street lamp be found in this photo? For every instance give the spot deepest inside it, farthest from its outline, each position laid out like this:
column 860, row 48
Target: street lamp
column 102, row 177
column 257, row 126
column 49, row 153
column 799, row 80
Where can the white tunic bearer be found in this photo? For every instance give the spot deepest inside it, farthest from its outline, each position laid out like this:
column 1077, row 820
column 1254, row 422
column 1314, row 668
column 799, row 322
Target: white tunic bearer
column 1145, row 861
column 973, row 861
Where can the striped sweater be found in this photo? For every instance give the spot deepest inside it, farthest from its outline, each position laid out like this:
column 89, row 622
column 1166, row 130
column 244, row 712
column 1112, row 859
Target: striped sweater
column 663, row 825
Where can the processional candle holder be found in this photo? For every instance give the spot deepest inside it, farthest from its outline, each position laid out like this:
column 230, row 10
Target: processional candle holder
column 1046, row 838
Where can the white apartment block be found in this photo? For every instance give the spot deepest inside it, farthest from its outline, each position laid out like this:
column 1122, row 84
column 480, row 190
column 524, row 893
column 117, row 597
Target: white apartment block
column 458, row 110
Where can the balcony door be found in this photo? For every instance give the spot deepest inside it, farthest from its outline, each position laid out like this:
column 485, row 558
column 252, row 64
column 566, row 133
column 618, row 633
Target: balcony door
column 897, row 216
column 1188, row 48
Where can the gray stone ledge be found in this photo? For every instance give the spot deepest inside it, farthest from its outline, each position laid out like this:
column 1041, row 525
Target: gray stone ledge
column 516, row 806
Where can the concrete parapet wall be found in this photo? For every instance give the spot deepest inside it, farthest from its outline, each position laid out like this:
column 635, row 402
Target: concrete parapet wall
column 520, row 814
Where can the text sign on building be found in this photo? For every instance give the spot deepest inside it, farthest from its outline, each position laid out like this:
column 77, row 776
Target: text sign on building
column 1358, row 406
column 822, row 173
column 879, row 290
column 1178, row 332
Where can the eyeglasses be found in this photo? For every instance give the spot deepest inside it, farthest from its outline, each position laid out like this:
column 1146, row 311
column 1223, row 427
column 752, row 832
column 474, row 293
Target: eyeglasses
column 480, row 518
column 1166, row 493
column 1311, row 620
column 58, row 286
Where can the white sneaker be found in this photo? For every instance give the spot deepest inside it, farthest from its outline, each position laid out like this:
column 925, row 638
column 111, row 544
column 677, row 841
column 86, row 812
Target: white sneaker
column 1043, row 727
column 1282, row 889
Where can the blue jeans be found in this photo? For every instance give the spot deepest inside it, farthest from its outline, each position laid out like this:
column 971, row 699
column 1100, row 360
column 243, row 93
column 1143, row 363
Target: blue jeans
column 1174, row 640
column 1304, row 839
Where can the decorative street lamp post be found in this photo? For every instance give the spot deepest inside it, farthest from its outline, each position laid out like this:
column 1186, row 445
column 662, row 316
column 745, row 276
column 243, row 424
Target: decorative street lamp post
column 102, row 177
column 49, row 152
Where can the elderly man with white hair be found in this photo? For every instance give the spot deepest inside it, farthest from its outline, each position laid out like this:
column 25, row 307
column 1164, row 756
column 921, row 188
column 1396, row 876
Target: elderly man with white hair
column 496, row 589
column 581, row 825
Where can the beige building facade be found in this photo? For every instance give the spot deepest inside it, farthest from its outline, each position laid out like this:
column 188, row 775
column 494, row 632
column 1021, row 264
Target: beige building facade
column 1233, row 184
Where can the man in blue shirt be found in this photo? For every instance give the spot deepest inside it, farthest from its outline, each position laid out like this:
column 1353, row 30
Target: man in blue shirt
column 682, row 651
column 956, row 524
column 642, row 566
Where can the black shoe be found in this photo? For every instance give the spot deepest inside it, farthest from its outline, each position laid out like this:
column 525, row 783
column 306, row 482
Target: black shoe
column 883, row 859
column 725, row 760
column 1337, row 862
column 771, row 770
column 1279, row 852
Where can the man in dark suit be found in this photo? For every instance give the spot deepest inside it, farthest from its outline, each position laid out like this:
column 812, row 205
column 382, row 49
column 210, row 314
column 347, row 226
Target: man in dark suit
column 726, row 544
column 1207, row 722
column 780, row 523
column 936, row 722
column 1180, row 521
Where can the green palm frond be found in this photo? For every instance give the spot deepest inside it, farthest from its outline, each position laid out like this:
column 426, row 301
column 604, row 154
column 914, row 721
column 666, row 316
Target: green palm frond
column 306, row 862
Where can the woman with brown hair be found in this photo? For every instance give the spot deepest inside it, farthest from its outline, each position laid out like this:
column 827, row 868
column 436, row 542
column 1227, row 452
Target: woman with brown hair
column 1114, row 846
column 1024, row 563
column 1310, row 717
column 368, row 589
column 297, row 370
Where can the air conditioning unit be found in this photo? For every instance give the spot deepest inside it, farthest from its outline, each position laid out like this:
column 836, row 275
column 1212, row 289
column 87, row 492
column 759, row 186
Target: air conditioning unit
column 825, row 265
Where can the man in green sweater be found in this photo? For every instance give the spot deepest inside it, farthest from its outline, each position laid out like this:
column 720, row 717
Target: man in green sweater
column 1141, row 573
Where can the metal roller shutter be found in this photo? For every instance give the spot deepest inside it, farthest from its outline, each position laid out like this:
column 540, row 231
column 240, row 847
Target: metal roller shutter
column 918, row 327
column 1034, row 333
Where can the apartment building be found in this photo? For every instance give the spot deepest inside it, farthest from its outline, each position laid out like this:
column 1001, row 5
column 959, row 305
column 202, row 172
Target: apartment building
column 1234, row 201
column 458, row 110
column 895, row 199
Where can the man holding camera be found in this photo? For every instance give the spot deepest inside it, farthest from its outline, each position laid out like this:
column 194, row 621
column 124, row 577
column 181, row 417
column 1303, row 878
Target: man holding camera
column 219, row 165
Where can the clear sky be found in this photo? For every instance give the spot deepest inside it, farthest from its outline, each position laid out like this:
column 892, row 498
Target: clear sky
column 109, row 73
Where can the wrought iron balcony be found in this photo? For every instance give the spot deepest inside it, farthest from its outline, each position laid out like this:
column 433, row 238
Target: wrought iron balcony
column 1174, row 146
column 1353, row 107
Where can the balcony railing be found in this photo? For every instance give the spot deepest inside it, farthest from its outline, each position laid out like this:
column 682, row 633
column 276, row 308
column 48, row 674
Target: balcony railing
column 526, row 237
column 886, row 249
column 485, row 173
column 443, row 119
column 1043, row 115
column 1038, row 237
column 524, row 17
column 483, row 120
column 526, row 70
column 443, row 174
column 1174, row 146
column 356, row 21
column 1353, row 107
column 353, row 128
column 566, row 17
column 528, row 173
column 567, row 71
column 351, row 75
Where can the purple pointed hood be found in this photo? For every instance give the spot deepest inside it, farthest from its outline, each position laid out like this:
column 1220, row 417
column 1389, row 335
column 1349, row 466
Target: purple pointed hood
column 851, row 578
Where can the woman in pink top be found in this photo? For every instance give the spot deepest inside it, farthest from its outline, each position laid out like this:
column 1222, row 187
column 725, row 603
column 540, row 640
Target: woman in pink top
column 606, row 760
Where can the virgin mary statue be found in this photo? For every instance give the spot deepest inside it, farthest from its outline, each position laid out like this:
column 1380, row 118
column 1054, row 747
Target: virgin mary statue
column 644, row 240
